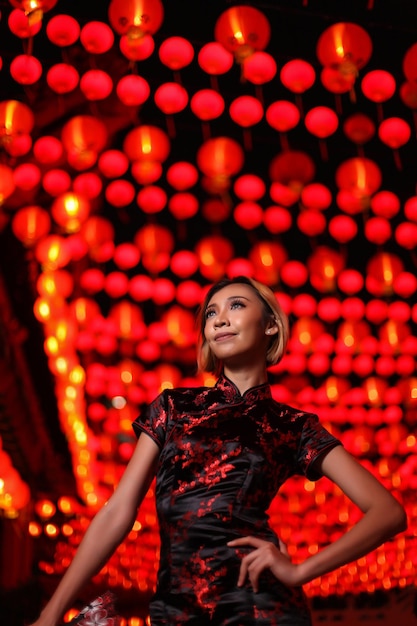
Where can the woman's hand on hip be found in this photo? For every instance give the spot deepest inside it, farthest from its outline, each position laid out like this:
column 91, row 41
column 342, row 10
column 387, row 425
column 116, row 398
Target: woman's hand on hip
column 265, row 555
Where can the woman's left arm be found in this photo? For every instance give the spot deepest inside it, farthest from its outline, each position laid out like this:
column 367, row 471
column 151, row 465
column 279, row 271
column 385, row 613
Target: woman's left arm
column 383, row 518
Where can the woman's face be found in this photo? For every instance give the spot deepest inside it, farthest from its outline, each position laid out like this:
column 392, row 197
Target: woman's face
column 236, row 327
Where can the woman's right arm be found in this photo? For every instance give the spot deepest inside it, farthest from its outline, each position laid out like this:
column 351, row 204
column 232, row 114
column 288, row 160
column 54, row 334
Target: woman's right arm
column 107, row 530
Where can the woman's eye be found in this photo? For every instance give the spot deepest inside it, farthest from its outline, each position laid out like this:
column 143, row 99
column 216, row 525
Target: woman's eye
column 237, row 303
column 209, row 313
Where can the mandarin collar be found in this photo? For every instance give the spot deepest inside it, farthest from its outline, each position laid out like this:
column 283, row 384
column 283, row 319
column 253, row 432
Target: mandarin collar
column 231, row 392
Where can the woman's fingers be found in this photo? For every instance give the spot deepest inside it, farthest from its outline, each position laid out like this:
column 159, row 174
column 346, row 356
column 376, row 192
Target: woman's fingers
column 253, row 564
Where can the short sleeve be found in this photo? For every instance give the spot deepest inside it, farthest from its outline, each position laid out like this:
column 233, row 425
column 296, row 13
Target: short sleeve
column 315, row 442
column 153, row 420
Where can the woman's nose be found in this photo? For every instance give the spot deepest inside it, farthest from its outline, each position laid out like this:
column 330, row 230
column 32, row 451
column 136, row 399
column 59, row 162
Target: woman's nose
column 220, row 320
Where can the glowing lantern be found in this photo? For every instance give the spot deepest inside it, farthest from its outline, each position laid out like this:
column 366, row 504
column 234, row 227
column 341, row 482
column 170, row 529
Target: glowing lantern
column 381, row 271
column 70, row 210
column 184, row 263
column 324, row 266
column 34, row 9
column 146, row 172
column 342, row 228
column 180, row 325
column 63, row 30
column 283, row 116
column 214, row 59
column 176, row 53
column 311, row 223
column 21, row 26
column 297, row 75
column 406, row 235
column 385, row 204
column 155, row 244
column 151, row 199
column 96, row 37
column 116, row 284
column 137, row 49
column 219, row 159
column 306, row 332
column 56, row 181
column 52, row 252
column 260, row 68
column 88, row 185
column 394, row 132
column 30, row 224
column 378, row 230
column 189, row 293
column 294, row 273
column 378, row 86
column 242, row 30
column 321, row 122
column 146, row 143
column 277, row 219
column 248, row 214
column 62, row 78
column 171, row 98
column 113, row 163
column 96, row 84
column 335, row 82
column 83, row 137
column 182, row 175
column 249, row 187
column 98, row 233
column 344, row 46
column 136, row 18
column 316, row 196
column 267, row 258
column 26, row 69
column 183, row 205
column 246, row 111
column 133, row 90
column 293, row 170
column 141, row 288
column 360, row 176
column 16, row 120
column 47, row 149
column 27, row 176
column 207, row 104
column 120, row 193
column 214, row 253
column 84, row 311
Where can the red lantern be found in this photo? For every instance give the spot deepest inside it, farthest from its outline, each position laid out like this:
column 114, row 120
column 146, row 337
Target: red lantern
column 98, row 233
column 16, row 119
column 70, row 211
column 189, row 293
column 171, row 98
column 137, row 49
column 394, row 132
column 207, row 104
column 214, row 59
column 62, row 78
column 297, row 75
column 214, row 253
column 21, row 26
column 342, row 228
column 409, row 63
column 294, row 273
column 31, row 224
column 47, row 149
column 248, row 214
column 324, row 266
column 63, row 30
column 311, row 223
column 184, row 263
column 96, row 37
column 120, row 193
column 136, row 18
column 147, row 143
column 25, row 69
column 378, row 230
column 380, row 273
column 52, row 252
column 350, row 281
column 249, row 187
column 219, row 159
column 378, row 86
column 335, row 82
column 361, row 175
column 27, row 176
column 293, row 169
column 88, row 185
column 344, row 46
column 246, row 111
column 182, row 175
column 83, row 137
column 267, row 258
column 316, row 196
column 34, row 9
column 277, row 219
column 56, row 181
column 242, row 30
column 176, row 53
column 260, row 68
column 321, row 121
column 96, row 84
column 151, row 199
column 359, row 128
column 183, row 205
column 113, row 163
column 133, row 90
column 282, row 115
column 406, row 235
column 385, row 204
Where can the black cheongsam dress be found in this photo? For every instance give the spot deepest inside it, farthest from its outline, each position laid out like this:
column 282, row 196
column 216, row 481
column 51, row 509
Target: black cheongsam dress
column 223, row 458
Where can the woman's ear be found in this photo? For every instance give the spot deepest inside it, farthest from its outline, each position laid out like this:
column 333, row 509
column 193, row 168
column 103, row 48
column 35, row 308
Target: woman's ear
column 271, row 328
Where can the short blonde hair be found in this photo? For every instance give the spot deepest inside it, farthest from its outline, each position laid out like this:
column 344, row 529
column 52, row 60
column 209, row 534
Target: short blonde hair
column 206, row 360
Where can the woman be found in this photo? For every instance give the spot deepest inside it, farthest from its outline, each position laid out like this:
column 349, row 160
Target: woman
column 220, row 455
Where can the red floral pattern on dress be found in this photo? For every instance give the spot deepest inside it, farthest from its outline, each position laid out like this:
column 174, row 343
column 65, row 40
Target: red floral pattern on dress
column 223, row 458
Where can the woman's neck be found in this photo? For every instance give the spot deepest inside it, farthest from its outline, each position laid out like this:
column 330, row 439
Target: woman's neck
column 246, row 379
